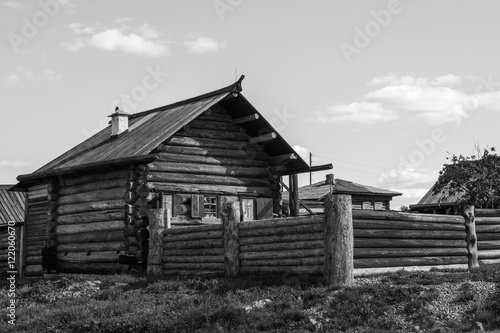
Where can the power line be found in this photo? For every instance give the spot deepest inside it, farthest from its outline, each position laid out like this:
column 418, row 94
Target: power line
column 367, row 165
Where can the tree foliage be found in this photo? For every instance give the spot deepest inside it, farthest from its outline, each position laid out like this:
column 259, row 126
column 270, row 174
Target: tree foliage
column 475, row 179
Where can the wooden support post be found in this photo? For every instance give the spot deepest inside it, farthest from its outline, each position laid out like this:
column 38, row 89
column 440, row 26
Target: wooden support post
column 471, row 238
column 339, row 241
column 230, row 218
column 294, row 195
column 157, row 219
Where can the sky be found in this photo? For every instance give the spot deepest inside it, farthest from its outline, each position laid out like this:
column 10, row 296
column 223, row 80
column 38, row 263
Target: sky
column 383, row 90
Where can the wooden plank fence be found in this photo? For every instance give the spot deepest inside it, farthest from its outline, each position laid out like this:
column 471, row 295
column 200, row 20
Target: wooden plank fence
column 380, row 240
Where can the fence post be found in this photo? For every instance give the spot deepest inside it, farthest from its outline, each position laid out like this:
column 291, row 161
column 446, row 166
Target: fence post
column 157, row 224
column 471, row 238
column 339, row 241
column 230, row 218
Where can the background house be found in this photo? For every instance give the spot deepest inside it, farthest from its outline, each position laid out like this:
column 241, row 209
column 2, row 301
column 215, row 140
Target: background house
column 437, row 203
column 363, row 196
column 11, row 214
column 189, row 157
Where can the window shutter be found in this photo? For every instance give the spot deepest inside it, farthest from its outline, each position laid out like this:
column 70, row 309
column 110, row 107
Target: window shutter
column 264, row 208
column 197, row 206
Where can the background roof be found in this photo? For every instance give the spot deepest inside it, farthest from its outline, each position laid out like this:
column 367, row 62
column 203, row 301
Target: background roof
column 11, row 205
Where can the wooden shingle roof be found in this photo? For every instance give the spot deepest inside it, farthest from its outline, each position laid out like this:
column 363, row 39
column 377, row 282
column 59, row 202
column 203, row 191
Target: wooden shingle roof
column 12, row 205
column 148, row 129
column 440, row 199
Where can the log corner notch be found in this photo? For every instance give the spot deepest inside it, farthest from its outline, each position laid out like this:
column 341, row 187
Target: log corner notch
column 467, row 211
column 159, row 219
column 339, row 241
column 230, row 214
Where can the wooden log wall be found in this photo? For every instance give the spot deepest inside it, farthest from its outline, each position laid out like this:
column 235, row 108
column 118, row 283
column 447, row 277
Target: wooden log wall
column 211, row 155
column 393, row 239
column 90, row 221
column 488, row 235
column 193, row 250
column 36, row 228
column 7, row 250
column 293, row 245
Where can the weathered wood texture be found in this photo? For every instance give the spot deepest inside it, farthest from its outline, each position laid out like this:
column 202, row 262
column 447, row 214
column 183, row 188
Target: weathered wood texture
column 230, row 219
column 157, row 222
column 488, row 235
column 36, row 227
column 471, row 238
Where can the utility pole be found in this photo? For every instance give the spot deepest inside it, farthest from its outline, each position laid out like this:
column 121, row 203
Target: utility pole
column 310, row 165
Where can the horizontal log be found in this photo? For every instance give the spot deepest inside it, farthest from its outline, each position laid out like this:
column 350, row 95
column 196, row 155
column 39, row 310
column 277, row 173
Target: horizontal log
column 193, row 236
column 120, row 183
column 283, row 230
column 263, row 255
column 400, row 216
column 264, row 137
column 211, row 143
column 69, row 229
column 245, row 119
column 33, row 260
column 193, row 259
column 193, row 252
column 204, row 273
column 101, row 195
column 38, row 187
column 489, row 261
column 183, row 230
column 206, row 169
column 226, row 189
column 283, row 269
column 195, row 244
column 93, row 177
column 487, row 220
column 409, row 234
column 207, row 179
column 36, row 202
column 309, row 261
column 97, row 256
column 91, row 268
column 484, row 245
column 487, row 212
column 215, row 125
column 489, row 254
column 396, row 243
column 215, row 152
column 210, row 134
column 33, row 270
column 405, row 225
column 194, row 266
column 289, row 221
column 363, row 253
column 90, row 237
column 92, row 247
column 281, row 238
column 487, row 228
column 413, row 261
column 90, row 207
column 488, row 236
column 35, row 238
column 98, row 216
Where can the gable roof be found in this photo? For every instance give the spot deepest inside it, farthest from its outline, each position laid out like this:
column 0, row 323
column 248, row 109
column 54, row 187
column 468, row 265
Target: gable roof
column 149, row 129
column 440, row 199
column 318, row 191
column 12, row 205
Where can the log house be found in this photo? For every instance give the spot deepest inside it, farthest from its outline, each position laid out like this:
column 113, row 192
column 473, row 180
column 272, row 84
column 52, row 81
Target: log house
column 91, row 204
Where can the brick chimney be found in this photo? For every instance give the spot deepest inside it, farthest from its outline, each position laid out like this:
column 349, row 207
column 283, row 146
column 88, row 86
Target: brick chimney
column 330, row 180
column 119, row 122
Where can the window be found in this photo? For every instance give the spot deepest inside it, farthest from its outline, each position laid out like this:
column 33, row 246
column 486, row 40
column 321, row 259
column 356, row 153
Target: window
column 210, row 207
column 379, row 205
column 367, row 205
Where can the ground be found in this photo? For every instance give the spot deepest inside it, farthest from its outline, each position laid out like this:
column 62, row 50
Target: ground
column 436, row 301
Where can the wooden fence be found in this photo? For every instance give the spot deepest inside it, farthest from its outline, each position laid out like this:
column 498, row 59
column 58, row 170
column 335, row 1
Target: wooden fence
column 380, row 241
column 488, row 235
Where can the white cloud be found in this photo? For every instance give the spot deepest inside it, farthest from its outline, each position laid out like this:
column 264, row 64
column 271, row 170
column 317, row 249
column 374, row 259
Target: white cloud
column 302, row 152
column 13, row 4
column 203, row 44
column 13, row 163
column 24, row 74
column 408, row 177
column 434, row 100
column 145, row 40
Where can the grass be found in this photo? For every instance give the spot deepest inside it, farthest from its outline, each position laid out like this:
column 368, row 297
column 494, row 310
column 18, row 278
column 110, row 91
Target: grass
column 396, row 302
